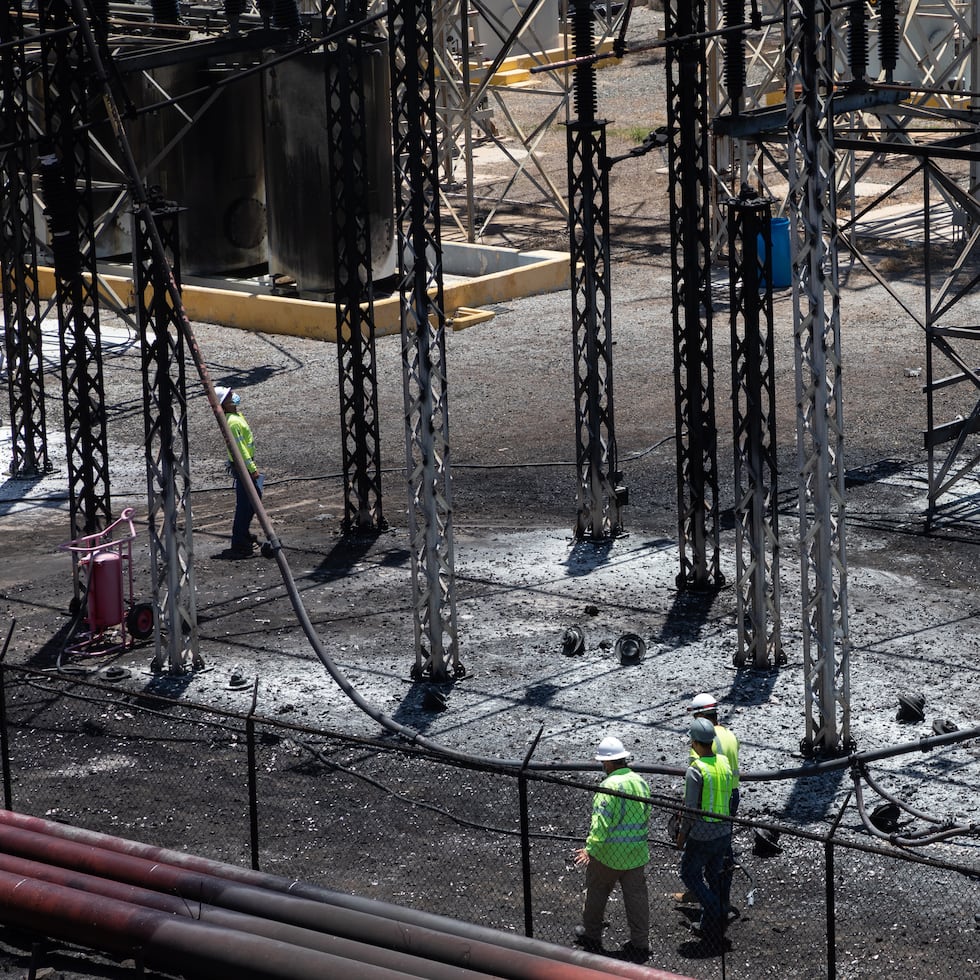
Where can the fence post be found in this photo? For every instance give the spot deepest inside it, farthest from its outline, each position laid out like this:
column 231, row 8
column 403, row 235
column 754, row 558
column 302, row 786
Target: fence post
column 828, row 850
column 253, row 792
column 4, row 746
column 526, row 838
column 829, row 887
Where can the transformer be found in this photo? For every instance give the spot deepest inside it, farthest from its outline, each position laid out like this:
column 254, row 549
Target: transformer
column 297, row 169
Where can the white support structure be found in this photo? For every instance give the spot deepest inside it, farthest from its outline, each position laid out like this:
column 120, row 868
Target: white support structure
column 820, row 425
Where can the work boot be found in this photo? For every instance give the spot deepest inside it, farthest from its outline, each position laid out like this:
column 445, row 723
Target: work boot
column 635, row 954
column 583, row 942
column 711, row 935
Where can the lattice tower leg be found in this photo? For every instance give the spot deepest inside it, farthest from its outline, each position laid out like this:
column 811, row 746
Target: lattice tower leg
column 753, row 406
column 354, row 293
column 18, row 259
column 423, row 331
column 820, row 427
column 600, row 494
column 167, row 449
column 66, row 187
column 697, row 437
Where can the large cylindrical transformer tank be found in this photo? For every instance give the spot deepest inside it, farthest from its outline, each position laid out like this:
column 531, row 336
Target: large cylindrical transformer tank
column 297, row 169
column 492, row 21
column 214, row 170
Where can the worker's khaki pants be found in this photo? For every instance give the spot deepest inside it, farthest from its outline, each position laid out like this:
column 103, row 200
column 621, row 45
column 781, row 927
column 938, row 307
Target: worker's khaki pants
column 599, row 883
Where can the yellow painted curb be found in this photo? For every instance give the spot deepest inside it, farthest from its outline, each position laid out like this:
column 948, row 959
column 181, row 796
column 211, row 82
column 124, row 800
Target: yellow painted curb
column 536, row 272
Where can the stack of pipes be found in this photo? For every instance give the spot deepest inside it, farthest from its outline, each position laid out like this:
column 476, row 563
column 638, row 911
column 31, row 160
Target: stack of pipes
column 201, row 918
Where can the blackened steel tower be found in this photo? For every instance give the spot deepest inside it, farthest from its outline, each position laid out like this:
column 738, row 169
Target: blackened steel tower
column 18, row 256
column 423, row 331
column 690, row 216
column 598, row 478
column 820, row 417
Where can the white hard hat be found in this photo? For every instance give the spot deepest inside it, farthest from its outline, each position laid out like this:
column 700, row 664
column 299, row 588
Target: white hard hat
column 221, row 393
column 703, row 702
column 611, row 748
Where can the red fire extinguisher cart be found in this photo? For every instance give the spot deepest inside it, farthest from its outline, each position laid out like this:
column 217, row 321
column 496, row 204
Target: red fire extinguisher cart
column 112, row 620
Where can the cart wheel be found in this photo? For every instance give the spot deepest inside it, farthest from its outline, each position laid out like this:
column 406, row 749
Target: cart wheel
column 139, row 621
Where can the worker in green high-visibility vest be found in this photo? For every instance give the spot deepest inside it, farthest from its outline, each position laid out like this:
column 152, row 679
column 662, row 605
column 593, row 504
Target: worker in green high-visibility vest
column 616, row 851
column 242, row 539
column 705, row 837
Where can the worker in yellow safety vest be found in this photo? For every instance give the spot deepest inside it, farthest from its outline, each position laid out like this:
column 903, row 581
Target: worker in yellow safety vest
column 617, row 851
column 242, row 539
column 726, row 744
column 706, row 837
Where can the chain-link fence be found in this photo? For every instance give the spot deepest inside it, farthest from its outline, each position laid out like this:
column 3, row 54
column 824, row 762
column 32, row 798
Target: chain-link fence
column 486, row 845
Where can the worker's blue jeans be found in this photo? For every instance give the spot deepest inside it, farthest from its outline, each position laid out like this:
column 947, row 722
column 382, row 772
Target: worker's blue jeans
column 244, row 512
column 701, row 871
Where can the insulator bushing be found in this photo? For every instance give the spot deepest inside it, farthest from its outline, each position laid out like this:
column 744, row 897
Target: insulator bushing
column 734, row 47
column 60, row 208
column 888, row 34
column 165, row 11
column 286, row 16
column 584, row 100
column 857, row 40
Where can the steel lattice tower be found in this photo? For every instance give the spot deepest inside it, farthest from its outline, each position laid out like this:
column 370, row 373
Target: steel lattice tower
column 167, row 451
column 18, row 258
column 690, row 215
column 820, row 425
column 599, row 494
column 354, row 294
column 423, row 331
column 66, row 183
column 753, row 408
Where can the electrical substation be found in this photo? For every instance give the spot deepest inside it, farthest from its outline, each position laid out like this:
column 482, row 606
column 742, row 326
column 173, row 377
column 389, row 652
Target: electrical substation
column 313, row 173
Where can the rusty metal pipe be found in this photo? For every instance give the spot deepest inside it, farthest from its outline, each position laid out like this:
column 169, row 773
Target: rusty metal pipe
column 407, row 927
column 255, row 925
column 369, row 926
column 193, row 948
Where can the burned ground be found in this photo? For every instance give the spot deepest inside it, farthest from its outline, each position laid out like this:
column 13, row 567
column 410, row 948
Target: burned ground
column 914, row 613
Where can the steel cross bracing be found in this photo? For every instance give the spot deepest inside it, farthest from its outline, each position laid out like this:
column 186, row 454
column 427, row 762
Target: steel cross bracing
column 66, row 184
column 423, row 331
column 599, row 492
column 473, row 98
column 353, row 283
column 167, row 451
column 753, row 404
column 747, row 88
column 18, row 258
column 688, row 142
column 816, row 327
column 950, row 248
column 949, row 342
